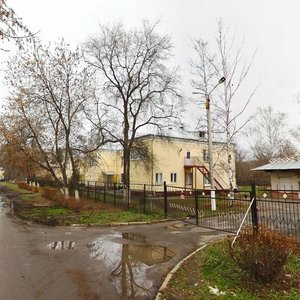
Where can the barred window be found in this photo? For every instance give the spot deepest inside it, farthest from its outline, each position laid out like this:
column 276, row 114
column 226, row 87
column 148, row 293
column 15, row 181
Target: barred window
column 173, row 177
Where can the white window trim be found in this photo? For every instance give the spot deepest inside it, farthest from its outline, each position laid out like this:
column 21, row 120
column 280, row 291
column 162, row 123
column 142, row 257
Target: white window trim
column 157, row 176
column 173, row 177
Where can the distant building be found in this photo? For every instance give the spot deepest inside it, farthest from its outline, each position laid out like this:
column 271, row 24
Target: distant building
column 285, row 174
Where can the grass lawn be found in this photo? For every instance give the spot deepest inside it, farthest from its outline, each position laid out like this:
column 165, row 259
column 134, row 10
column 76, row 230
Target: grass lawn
column 34, row 207
column 115, row 216
column 211, row 274
column 14, row 187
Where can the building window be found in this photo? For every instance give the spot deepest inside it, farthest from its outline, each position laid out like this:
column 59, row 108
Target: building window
column 189, row 178
column 202, row 134
column 174, row 177
column 205, row 155
column 92, row 162
column 158, row 178
column 206, row 179
column 188, row 154
column 135, row 155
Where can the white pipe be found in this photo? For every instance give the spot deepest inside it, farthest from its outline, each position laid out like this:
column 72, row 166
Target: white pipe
column 242, row 223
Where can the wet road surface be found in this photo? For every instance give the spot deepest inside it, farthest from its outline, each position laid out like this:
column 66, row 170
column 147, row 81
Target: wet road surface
column 122, row 262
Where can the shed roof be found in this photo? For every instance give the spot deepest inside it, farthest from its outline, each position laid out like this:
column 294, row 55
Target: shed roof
column 279, row 166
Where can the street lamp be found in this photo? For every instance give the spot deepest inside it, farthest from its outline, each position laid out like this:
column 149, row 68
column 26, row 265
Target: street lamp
column 210, row 146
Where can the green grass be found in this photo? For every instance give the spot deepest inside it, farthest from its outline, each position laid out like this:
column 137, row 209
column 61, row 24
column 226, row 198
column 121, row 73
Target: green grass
column 57, row 214
column 115, row 216
column 204, row 206
column 213, row 267
column 33, row 212
column 66, row 216
column 259, row 190
column 25, row 195
column 293, row 264
column 29, row 197
column 14, row 187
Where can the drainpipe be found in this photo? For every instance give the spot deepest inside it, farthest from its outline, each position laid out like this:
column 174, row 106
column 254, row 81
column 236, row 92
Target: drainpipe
column 152, row 167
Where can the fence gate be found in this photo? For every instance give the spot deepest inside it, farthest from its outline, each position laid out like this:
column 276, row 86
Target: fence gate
column 195, row 207
column 276, row 209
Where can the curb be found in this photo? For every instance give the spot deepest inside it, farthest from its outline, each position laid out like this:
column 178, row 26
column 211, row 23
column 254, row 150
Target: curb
column 173, row 271
column 119, row 224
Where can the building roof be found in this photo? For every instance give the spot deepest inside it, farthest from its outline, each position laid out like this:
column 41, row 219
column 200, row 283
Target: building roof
column 166, row 133
column 171, row 132
column 178, row 134
column 279, row 166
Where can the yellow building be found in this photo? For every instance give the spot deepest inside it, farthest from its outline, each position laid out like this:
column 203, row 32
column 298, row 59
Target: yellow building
column 106, row 167
column 179, row 158
column 1, row 173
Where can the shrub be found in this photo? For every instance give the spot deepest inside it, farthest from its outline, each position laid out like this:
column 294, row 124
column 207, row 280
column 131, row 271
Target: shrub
column 51, row 193
column 72, row 203
column 262, row 252
column 35, row 189
column 54, row 194
column 23, row 185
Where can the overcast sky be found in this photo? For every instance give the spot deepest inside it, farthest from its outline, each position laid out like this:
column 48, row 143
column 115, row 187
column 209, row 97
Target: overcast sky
column 269, row 27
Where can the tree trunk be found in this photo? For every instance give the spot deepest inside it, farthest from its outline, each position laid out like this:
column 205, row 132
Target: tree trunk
column 126, row 177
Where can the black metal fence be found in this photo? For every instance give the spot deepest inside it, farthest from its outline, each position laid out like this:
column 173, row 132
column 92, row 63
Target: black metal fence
column 277, row 209
column 226, row 211
column 143, row 197
column 280, row 210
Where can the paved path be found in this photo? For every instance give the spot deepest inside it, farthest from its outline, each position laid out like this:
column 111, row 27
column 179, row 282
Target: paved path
column 124, row 262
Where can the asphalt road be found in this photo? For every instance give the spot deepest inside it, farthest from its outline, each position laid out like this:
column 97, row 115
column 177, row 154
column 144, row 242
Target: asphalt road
column 122, row 262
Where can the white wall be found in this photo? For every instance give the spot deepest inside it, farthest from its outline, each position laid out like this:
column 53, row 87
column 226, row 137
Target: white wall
column 286, row 180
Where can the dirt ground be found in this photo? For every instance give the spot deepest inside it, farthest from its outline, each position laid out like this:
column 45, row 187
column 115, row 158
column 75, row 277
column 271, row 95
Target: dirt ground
column 119, row 262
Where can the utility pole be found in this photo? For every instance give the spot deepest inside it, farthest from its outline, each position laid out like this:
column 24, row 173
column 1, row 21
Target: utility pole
column 210, row 147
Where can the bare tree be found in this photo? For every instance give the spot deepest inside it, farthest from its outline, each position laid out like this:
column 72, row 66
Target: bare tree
column 270, row 135
column 13, row 148
column 50, row 88
column 244, row 164
column 11, row 27
column 138, row 84
column 208, row 68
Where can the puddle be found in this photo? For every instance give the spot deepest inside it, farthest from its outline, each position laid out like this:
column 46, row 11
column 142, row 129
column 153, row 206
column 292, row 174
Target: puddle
column 61, row 245
column 129, row 257
column 138, row 237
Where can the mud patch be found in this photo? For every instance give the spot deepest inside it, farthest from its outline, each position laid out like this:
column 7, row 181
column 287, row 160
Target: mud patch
column 177, row 226
column 83, row 285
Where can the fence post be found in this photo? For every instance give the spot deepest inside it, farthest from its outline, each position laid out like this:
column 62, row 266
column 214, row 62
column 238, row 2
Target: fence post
column 115, row 192
column 254, row 206
column 144, row 203
column 165, row 200
column 196, row 207
column 88, row 189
